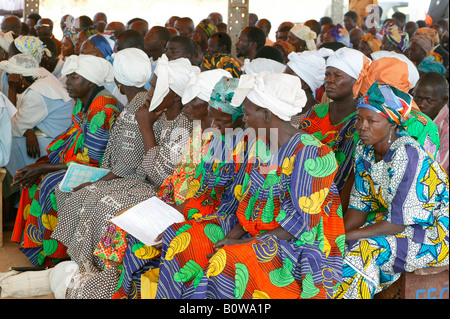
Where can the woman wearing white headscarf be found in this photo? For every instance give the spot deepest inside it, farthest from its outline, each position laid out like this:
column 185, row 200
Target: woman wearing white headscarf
column 149, row 143
column 259, row 65
column 333, row 123
column 257, row 252
column 83, row 142
column 309, row 66
column 44, row 110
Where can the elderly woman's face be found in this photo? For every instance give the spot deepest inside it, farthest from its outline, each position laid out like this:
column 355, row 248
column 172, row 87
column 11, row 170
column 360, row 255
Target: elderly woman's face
column 373, row 128
column 338, row 84
column 77, row 86
column 220, row 120
column 196, row 109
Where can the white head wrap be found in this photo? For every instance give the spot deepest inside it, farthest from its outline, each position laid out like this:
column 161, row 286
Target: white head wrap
column 201, row 84
column 132, row 67
column 306, row 34
column 325, row 52
column 280, row 93
column 309, row 66
column 259, row 65
column 23, row 64
column 413, row 77
column 6, row 39
column 172, row 75
column 94, row 69
column 348, row 60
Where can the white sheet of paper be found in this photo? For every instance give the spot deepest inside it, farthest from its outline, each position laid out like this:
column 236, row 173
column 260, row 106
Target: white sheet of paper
column 148, row 219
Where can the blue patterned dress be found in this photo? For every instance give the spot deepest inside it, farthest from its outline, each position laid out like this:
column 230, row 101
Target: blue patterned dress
column 405, row 188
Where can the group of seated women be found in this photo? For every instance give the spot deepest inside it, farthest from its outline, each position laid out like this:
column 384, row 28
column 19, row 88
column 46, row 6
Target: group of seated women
column 337, row 206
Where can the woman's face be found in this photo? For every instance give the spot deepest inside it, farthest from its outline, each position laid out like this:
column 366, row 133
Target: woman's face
column 166, row 102
column 365, row 49
column 67, row 48
column 338, row 84
column 81, row 37
column 196, row 109
column 298, row 43
column 373, row 128
column 77, row 86
column 220, row 120
column 89, row 48
column 253, row 115
column 416, row 53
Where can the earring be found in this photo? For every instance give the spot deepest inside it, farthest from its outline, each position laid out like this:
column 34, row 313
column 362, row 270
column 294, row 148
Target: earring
column 390, row 137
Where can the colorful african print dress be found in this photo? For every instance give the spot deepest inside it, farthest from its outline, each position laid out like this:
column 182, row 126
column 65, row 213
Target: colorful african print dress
column 407, row 187
column 85, row 143
column 292, row 189
column 339, row 137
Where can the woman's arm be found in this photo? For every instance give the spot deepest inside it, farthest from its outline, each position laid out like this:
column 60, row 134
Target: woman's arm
column 28, row 175
column 354, row 219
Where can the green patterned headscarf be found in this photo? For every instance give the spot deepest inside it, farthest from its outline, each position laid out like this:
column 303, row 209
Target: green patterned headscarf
column 221, row 97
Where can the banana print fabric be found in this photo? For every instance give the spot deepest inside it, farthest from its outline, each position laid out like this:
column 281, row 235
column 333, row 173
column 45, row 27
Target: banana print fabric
column 293, row 189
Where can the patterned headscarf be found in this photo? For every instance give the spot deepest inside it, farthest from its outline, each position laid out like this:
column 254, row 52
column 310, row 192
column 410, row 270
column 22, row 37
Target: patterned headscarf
column 209, row 28
column 289, row 48
column 425, row 42
column 389, row 102
column 71, row 34
column 429, row 33
column 429, row 64
column 373, row 43
column 222, row 61
column 389, row 68
column 221, row 97
column 32, row 46
column 306, row 34
column 396, row 36
column 340, row 34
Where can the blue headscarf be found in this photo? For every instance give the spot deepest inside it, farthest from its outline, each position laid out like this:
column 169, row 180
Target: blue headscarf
column 106, row 46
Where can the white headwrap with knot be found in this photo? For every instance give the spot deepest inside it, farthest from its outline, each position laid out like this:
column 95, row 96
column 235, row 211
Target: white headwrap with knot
column 171, row 75
column 309, row 66
column 349, row 60
column 306, row 34
column 280, row 93
column 201, row 84
column 94, row 69
column 132, row 67
column 259, row 65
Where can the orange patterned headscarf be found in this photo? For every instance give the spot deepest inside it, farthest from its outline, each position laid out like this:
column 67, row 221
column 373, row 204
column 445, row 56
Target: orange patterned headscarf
column 373, row 43
column 388, row 70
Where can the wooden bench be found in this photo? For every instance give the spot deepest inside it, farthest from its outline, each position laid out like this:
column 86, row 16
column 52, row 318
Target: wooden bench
column 2, row 177
column 430, row 283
